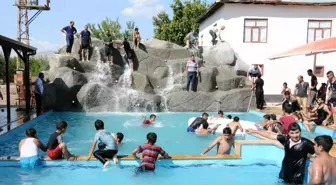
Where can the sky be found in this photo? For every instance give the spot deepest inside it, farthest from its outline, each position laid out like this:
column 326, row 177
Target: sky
column 45, row 29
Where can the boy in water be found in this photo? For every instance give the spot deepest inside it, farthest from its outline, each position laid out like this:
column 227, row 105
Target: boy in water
column 224, row 143
column 323, row 169
column 205, row 130
column 198, row 122
column 150, row 153
column 28, row 148
column 108, row 146
column 235, row 125
column 151, row 120
column 57, row 149
column 296, row 150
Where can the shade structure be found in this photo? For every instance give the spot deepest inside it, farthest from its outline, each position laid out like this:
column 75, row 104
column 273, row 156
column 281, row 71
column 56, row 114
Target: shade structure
column 316, row 47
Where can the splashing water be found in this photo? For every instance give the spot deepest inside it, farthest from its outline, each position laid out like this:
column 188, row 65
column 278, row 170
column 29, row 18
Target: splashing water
column 102, row 73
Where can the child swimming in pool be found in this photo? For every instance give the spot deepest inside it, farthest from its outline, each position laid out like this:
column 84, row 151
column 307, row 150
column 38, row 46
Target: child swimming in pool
column 150, row 153
column 223, row 143
column 151, row 120
column 205, row 130
column 235, row 125
column 28, row 148
column 108, row 146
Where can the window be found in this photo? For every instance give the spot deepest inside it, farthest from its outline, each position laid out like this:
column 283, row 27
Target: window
column 319, row 71
column 318, row 29
column 255, row 30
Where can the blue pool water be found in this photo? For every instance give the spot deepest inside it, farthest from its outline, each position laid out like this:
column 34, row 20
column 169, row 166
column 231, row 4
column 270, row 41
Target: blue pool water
column 177, row 175
column 170, row 128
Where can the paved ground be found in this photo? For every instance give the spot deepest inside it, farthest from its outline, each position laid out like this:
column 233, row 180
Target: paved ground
column 13, row 95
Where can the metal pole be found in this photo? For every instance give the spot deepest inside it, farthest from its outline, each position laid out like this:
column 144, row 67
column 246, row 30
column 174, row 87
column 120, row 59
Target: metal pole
column 7, row 52
column 27, row 81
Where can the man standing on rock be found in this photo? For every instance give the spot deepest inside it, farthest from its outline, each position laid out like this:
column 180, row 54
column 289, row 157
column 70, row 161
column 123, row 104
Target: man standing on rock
column 39, row 92
column 108, row 45
column 85, row 42
column 192, row 69
column 70, row 31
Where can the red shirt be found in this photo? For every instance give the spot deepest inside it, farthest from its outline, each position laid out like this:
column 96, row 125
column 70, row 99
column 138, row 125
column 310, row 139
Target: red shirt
column 147, row 122
column 286, row 121
column 150, row 154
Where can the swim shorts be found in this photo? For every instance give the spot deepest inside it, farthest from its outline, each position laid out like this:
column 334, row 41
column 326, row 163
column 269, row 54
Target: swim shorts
column 85, row 44
column 30, row 162
column 56, row 153
column 190, row 129
column 108, row 51
column 143, row 169
column 318, row 121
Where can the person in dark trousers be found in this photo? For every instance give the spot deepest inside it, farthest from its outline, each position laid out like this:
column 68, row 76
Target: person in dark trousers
column 259, row 92
column 39, row 92
column 313, row 88
column 108, row 45
column 108, row 146
column 85, row 39
column 192, row 69
column 213, row 32
column 296, row 150
column 70, row 31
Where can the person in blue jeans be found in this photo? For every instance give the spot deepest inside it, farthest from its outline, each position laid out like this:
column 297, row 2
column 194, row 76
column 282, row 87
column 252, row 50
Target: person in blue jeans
column 70, row 31
column 192, row 69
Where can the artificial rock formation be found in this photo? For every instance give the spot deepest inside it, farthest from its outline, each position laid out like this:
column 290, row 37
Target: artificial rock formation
column 156, row 85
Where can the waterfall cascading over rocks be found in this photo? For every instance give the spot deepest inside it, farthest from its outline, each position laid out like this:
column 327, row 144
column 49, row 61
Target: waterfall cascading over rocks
column 156, row 84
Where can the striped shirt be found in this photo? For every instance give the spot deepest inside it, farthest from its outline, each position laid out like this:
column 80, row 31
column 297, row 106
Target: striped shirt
column 192, row 66
column 150, row 154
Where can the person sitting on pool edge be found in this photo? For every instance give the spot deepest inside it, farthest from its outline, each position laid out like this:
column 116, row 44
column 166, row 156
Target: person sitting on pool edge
column 28, row 148
column 296, row 150
column 152, row 118
column 108, row 146
column 198, row 122
column 223, row 143
column 150, row 153
column 57, row 149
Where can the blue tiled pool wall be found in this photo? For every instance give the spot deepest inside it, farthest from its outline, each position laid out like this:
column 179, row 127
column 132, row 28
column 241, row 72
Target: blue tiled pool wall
column 317, row 130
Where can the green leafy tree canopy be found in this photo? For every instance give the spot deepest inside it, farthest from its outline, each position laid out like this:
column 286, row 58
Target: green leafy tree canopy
column 98, row 30
column 184, row 20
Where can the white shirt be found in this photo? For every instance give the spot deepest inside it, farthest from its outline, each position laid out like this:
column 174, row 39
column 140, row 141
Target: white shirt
column 29, row 148
column 38, row 84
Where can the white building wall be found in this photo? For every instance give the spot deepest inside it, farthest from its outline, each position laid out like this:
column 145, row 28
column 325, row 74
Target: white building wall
column 287, row 29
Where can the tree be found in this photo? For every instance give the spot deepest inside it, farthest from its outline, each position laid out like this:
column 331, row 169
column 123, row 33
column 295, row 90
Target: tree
column 185, row 15
column 98, row 30
column 36, row 65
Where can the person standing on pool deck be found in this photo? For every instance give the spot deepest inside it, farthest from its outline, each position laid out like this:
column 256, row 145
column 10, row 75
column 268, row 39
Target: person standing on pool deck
column 38, row 92
column 108, row 147
column 57, row 149
column 259, row 92
column 28, row 148
column 85, row 39
column 302, row 93
column 192, row 69
column 296, row 150
column 70, row 31
column 323, row 169
column 223, row 143
column 331, row 96
column 313, row 88
column 150, row 153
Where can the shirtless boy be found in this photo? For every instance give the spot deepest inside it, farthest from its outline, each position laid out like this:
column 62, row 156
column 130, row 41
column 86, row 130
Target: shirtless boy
column 149, row 121
column 323, row 169
column 235, row 125
column 205, row 130
column 136, row 38
column 224, row 143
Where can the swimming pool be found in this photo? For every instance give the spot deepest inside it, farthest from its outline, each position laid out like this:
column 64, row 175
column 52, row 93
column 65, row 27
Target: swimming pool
column 260, row 163
column 170, row 128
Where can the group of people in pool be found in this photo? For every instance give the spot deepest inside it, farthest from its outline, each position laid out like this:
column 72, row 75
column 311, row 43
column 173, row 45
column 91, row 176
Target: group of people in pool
column 297, row 148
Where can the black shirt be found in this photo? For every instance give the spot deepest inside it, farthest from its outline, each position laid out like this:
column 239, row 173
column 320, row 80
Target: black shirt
column 259, row 85
column 294, row 162
column 54, row 140
column 197, row 123
column 313, row 82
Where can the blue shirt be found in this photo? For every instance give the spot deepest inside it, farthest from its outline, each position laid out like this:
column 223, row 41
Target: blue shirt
column 85, row 35
column 38, row 86
column 70, row 31
column 106, row 138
